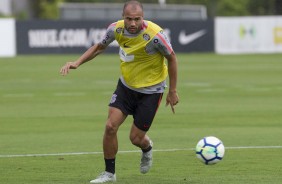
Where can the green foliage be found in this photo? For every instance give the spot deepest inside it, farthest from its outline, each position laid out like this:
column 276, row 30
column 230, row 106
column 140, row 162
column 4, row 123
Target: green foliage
column 22, row 15
column 261, row 7
column 240, row 7
column 232, row 8
column 46, row 9
column 3, row 16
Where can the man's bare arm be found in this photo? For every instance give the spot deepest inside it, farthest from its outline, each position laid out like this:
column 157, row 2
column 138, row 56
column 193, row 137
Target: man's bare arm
column 172, row 96
column 90, row 54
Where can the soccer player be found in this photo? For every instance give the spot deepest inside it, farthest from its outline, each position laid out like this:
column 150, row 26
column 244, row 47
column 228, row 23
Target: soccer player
column 143, row 50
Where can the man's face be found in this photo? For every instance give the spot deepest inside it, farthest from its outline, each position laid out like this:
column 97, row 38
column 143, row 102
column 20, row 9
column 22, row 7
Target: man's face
column 133, row 18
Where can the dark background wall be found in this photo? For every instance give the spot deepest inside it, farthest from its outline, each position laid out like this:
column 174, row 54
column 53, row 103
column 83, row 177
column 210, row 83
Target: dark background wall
column 50, row 37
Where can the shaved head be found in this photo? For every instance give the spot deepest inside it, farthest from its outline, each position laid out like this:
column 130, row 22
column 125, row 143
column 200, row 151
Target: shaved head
column 134, row 5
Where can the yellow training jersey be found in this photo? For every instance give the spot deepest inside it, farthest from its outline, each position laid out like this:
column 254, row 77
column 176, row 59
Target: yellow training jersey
column 138, row 68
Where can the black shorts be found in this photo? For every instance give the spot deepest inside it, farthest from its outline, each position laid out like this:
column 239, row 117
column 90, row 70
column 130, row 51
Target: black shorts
column 142, row 107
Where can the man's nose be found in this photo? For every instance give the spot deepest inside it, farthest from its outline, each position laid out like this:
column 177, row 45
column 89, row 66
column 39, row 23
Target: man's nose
column 133, row 23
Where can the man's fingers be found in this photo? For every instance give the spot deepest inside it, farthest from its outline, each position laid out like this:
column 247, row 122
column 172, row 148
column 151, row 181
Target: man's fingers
column 172, row 100
column 65, row 69
column 167, row 102
column 172, row 108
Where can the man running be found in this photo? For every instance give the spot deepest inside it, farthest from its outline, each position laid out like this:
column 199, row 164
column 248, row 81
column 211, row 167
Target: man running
column 143, row 50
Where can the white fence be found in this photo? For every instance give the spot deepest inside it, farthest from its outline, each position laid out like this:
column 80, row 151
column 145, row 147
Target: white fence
column 7, row 38
column 237, row 35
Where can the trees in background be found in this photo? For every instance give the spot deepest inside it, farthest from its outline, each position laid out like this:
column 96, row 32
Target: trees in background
column 48, row 9
column 238, row 7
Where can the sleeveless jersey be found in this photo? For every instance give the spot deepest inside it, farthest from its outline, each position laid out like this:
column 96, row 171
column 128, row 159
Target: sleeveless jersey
column 140, row 69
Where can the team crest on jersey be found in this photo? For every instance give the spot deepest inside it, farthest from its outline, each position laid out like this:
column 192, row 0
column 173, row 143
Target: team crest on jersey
column 146, row 37
column 119, row 30
column 113, row 99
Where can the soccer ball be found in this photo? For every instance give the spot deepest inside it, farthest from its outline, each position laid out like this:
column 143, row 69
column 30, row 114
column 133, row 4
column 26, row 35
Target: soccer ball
column 210, row 150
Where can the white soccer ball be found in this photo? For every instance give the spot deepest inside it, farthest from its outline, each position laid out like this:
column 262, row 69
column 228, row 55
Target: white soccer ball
column 210, row 150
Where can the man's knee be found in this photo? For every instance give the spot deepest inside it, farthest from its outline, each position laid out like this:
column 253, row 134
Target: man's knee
column 134, row 140
column 115, row 119
column 138, row 140
column 111, row 128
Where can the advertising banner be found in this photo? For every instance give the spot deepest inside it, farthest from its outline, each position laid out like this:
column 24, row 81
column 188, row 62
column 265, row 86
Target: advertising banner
column 49, row 37
column 235, row 35
column 7, row 38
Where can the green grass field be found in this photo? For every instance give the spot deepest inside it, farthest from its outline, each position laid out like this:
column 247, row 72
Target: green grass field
column 51, row 126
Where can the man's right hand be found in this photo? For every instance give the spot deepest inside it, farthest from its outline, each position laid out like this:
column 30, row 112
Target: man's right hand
column 66, row 68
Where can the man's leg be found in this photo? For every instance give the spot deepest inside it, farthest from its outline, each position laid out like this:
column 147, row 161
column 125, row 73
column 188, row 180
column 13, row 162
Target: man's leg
column 110, row 145
column 110, row 142
column 140, row 139
column 143, row 118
